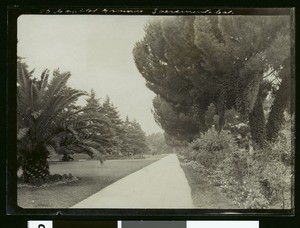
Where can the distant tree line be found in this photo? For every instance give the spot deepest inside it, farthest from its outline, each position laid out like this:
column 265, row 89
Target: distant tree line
column 157, row 145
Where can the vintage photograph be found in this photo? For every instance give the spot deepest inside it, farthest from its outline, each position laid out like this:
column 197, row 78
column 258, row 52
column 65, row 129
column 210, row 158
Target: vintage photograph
column 164, row 111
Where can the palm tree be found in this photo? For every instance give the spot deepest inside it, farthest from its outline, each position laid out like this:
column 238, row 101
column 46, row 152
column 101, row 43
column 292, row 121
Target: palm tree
column 44, row 120
column 81, row 131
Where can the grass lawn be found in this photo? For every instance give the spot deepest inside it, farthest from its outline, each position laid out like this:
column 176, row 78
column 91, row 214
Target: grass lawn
column 204, row 194
column 93, row 177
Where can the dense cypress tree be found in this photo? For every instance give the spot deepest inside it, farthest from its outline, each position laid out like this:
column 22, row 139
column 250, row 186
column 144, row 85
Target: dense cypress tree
column 133, row 139
column 168, row 62
column 105, row 130
column 191, row 62
column 111, row 112
column 92, row 102
column 181, row 126
column 116, row 131
column 253, row 59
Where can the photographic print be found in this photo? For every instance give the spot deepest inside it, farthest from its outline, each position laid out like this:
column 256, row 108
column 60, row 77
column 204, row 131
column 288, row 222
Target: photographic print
column 166, row 111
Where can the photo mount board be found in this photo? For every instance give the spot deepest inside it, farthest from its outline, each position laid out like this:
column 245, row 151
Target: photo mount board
column 12, row 208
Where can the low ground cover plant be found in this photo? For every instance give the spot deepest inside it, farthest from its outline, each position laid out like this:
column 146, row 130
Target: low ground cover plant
column 50, row 180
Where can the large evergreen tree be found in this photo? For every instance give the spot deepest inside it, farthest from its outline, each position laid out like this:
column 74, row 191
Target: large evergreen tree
column 170, row 62
column 192, row 62
column 261, row 44
column 134, row 139
column 92, row 102
column 180, row 125
column 116, row 130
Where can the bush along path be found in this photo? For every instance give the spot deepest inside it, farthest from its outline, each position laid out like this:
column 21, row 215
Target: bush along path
column 159, row 185
column 259, row 179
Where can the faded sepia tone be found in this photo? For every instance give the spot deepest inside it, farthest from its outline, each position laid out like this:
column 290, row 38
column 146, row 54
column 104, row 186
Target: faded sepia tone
column 169, row 112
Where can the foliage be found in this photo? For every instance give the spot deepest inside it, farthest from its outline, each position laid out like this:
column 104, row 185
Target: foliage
column 254, row 180
column 156, row 143
column 92, row 102
column 233, row 122
column 40, row 103
column 239, row 178
column 193, row 62
column 212, row 147
column 134, row 139
column 50, row 122
column 234, row 40
column 178, row 125
column 278, row 169
column 106, row 129
column 159, row 58
column 210, row 116
column 111, row 112
column 49, row 181
column 282, row 99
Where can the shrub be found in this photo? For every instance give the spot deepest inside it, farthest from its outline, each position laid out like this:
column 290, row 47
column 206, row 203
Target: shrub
column 51, row 180
column 212, row 147
column 239, row 177
column 277, row 170
column 258, row 180
column 241, row 132
column 138, row 156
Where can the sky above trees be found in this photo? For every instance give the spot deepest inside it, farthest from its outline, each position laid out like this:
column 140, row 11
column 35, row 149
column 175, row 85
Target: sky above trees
column 97, row 50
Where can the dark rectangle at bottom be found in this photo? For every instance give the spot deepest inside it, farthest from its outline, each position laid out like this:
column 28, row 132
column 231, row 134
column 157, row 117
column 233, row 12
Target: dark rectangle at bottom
column 85, row 224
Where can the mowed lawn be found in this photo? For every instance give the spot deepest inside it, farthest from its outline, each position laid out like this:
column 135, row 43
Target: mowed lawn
column 93, row 177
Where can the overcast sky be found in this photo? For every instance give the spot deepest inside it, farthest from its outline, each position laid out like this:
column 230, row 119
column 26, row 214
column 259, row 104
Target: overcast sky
column 97, row 50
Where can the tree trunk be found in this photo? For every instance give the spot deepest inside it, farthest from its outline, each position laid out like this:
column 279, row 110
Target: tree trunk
column 257, row 124
column 35, row 167
column 281, row 101
column 202, row 124
column 221, row 113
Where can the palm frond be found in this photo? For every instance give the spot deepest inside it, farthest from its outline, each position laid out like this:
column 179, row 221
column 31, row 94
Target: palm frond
column 97, row 154
column 74, row 132
column 47, row 117
column 24, row 88
column 92, row 152
column 22, row 133
column 44, row 83
column 79, row 127
column 57, row 83
column 52, row 111
column 50, row 149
